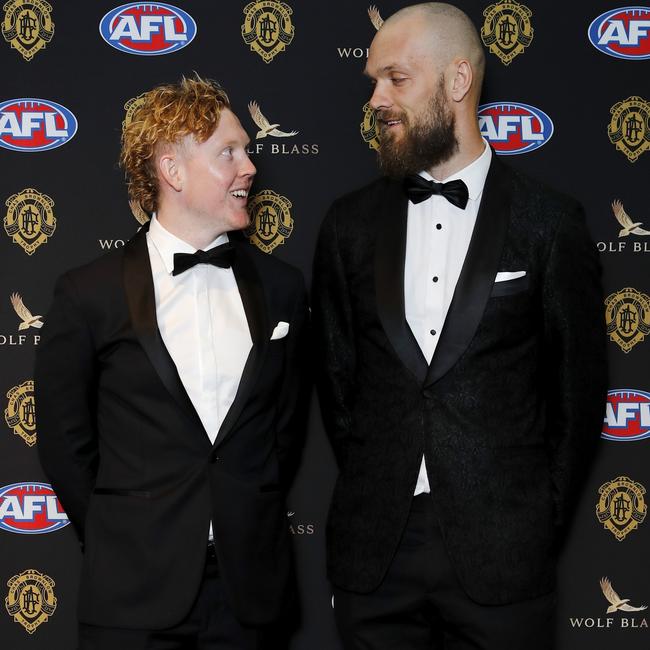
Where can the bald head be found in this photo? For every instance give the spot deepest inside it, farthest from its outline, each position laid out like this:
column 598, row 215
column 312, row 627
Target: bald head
column 427, row 63
column 440, row 32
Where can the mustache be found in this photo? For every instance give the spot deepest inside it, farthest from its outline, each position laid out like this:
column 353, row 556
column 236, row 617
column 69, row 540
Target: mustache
column 386, row 116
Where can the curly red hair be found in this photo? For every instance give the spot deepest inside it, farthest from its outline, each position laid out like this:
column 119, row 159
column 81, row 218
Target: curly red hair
column 167, row 113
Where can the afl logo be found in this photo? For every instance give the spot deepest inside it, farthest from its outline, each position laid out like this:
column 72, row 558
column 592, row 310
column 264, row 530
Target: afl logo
column 627, row 415
column 623, row 33
column 514, row 128
column 30, row 509
column 147, row 29
column 35, row 124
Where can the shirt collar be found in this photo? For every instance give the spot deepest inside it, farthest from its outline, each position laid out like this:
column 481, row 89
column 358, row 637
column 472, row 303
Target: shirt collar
column 167, row 244
column 473, row 175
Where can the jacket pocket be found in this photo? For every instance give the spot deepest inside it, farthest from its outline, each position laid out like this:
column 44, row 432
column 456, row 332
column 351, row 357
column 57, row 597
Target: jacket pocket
column 509, row 287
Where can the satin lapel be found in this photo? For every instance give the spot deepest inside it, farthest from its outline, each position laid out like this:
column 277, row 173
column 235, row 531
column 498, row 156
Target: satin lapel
column 253, row 299
column 477, row 276
column 138, row 285
column 389, row 280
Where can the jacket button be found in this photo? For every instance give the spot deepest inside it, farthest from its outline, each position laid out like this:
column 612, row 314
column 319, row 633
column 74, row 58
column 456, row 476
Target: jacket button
column 427, row 394
column 214, row 458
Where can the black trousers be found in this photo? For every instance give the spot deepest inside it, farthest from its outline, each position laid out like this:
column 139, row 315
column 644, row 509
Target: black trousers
column 421, row 605
column 210, row 625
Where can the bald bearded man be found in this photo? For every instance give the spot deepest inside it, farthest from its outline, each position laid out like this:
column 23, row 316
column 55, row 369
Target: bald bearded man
column 458, row 309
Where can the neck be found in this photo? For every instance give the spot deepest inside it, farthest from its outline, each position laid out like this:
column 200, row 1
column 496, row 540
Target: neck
column 470, row 147
column 198, row 235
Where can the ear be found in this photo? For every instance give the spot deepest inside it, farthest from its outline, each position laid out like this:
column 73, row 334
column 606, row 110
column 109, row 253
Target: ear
column 170, row 169
column 462, row 80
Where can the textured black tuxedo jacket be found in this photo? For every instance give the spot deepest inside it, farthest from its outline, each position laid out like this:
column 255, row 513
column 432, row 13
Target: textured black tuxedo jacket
column 507, row 412
column 131, row 462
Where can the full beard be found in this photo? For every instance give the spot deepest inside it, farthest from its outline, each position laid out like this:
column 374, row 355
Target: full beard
column 427, row 143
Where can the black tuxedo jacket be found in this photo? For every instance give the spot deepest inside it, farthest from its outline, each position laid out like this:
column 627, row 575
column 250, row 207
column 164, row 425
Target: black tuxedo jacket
column 507, row 412
column 131, row 462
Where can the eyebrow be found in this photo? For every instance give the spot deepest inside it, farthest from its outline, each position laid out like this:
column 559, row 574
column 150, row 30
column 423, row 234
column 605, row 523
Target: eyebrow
column 234, row 143
column 386, row 68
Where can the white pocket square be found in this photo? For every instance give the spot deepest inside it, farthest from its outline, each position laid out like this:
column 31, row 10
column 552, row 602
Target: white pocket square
column 280, row 331
column 502, row 276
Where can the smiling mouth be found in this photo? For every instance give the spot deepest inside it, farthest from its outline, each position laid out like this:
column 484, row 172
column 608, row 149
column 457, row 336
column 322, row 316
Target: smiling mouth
column 240, row 194
column 389, row 123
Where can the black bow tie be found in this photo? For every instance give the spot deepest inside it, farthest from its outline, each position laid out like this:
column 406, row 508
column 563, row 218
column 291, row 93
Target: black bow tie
column 221, row 256
column 419, row 189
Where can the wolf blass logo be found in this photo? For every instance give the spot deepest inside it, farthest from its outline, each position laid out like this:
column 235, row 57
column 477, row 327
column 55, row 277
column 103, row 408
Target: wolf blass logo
column 270, row 130
column 108, row 244
column 362, row 52
column 616, row 604
column 284, row 149
column 299, row 528
column 630, row 225
column 28, row 321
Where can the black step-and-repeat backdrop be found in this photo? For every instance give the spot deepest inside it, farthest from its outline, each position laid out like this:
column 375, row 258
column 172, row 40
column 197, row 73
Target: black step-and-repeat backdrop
column 567, row 99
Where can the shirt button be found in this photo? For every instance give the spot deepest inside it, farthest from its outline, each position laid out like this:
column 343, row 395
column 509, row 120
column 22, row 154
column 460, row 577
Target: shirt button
column 438, row 226
column 435, row 278
column 432, row 332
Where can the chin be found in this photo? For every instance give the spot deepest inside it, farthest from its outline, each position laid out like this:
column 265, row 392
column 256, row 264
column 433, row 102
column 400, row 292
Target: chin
column 241, row 222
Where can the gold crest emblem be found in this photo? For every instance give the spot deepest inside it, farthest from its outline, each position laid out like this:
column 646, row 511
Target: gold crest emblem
column 627, row 313
column 30, row 220
column 267, row 28
column 629, row 128
column 20, row 414
column 369, row 130
column 31, row 599
column 507, row 31
column 621, row 506
column 28, row 26
column 131, row 106
column 271, row 221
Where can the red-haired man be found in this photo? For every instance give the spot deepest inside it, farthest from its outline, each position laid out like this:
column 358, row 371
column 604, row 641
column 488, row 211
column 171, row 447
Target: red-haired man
column 170, row 389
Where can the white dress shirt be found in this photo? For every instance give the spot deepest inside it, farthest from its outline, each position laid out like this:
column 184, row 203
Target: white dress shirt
column 203, row 324
column 437, row 238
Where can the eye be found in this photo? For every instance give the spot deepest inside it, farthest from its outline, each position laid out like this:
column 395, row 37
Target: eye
column 397, row 81
column 227, row 152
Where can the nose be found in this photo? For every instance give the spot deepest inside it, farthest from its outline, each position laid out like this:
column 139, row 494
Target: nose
column 380, row 99
column 247, row 169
